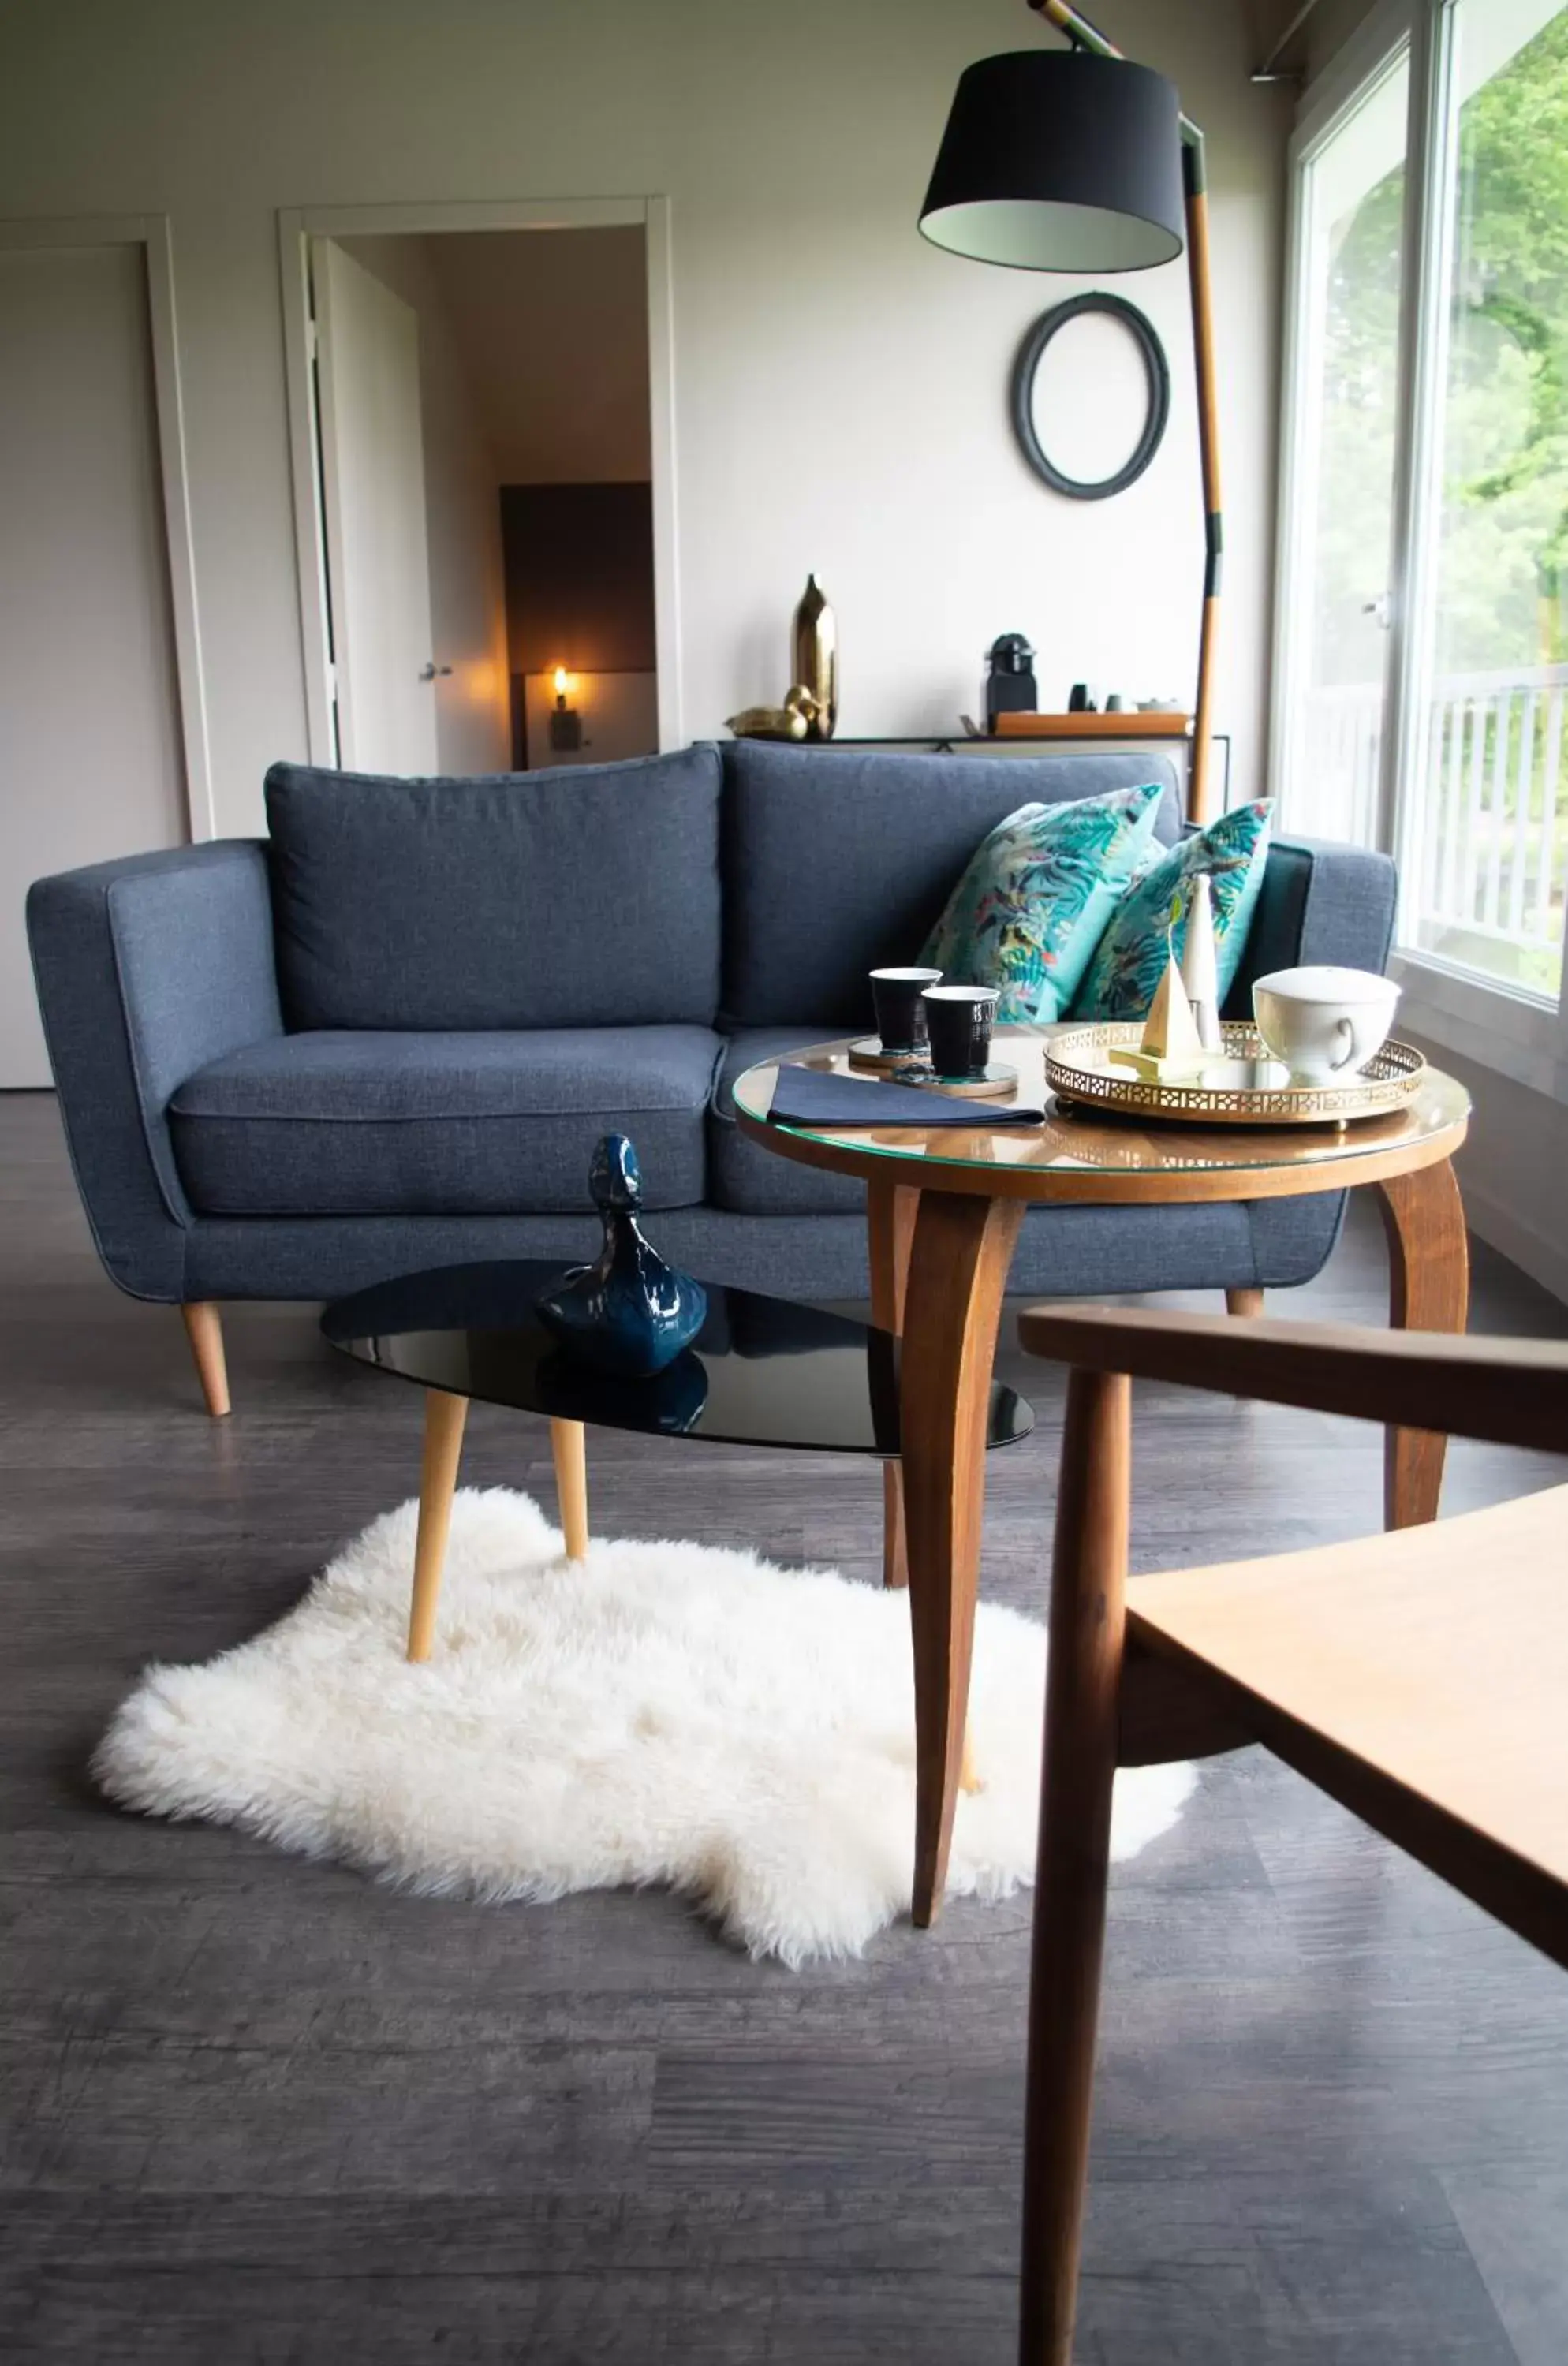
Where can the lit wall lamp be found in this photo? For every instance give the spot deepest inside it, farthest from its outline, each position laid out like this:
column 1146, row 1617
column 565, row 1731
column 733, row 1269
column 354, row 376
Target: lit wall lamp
column 566, row 722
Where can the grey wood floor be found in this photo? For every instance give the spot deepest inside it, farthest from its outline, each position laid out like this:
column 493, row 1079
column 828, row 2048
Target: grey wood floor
column 261, row 2111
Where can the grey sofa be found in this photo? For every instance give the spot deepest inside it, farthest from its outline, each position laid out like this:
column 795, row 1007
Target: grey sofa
column 388, row 1036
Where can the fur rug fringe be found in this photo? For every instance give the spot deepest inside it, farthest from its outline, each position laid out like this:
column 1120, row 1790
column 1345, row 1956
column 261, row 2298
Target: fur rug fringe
column 664, row 1713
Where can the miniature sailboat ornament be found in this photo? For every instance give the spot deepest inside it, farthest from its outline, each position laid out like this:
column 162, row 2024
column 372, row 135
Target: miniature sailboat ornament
column 1171, row 1031
column 1199, row 966
column 1171, row 1049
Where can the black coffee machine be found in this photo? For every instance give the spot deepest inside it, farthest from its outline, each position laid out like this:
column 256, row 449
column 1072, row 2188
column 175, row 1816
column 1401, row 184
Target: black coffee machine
column 1010, row 681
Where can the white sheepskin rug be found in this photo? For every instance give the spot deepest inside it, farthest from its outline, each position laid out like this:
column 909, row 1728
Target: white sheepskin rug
column 662, row 1713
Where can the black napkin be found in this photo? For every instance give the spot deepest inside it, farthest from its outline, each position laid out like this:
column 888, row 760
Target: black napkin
column 824, row 1096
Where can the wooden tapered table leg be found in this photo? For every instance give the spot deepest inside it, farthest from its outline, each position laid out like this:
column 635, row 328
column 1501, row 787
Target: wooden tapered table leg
column 1429, row 1257
column 958, row 1268
column 1083, row 1675
column 204, row 1329
column 568, row 1444
column 443, row 1419
column 890, row 1214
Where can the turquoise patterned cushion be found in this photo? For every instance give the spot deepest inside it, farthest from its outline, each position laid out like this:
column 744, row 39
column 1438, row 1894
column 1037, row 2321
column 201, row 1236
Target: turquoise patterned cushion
column 1120, row 980
column 1027, row 914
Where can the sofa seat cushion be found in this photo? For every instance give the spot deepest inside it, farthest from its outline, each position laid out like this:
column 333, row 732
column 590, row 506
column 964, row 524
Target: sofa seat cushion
column 345, row 1123
column 744, row 1177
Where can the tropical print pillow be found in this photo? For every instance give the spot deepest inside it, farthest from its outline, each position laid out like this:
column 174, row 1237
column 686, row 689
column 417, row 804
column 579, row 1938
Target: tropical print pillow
column 1118, row 981
column 1027, row 913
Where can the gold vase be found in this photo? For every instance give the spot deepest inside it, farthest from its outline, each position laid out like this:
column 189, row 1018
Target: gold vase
column 815, row 654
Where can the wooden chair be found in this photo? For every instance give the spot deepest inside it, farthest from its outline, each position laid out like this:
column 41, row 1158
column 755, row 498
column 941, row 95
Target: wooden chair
column 1420, row 1678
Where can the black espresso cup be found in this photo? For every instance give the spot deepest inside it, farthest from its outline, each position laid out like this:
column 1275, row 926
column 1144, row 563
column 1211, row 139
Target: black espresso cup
column 958, row 1025
column 900, row 1015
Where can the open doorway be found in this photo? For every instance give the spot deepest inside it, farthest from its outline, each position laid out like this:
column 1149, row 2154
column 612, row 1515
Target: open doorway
column 484, row 441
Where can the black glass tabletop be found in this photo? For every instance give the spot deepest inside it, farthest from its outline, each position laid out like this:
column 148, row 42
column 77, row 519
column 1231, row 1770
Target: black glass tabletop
column 761, row 1371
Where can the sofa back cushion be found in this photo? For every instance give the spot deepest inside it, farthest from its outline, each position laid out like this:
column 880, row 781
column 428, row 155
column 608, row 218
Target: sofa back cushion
column 837, row 862
column 1319, row 903
column 585, row 897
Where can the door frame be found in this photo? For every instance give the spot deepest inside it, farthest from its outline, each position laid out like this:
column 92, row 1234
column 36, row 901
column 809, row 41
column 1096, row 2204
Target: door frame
column 297, row 225
column 152, row 234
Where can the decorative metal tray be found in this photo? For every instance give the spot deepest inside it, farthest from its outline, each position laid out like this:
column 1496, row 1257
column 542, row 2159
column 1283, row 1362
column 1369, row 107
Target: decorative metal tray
column 1242, row 1085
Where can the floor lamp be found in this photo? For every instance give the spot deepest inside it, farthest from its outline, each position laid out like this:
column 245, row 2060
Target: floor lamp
column 1078, row 160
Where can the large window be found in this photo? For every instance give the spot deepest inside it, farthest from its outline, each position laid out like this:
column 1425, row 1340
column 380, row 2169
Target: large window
column 1423, row 646
column 1347, row 395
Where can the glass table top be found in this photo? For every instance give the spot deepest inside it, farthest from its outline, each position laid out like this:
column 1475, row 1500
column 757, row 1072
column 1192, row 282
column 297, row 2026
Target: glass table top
column 763, row 1372
column 1073, row 1142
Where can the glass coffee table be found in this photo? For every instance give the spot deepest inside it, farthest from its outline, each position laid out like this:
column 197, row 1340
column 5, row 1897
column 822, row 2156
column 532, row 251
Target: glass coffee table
column 761, row 1371
column 945, row 1206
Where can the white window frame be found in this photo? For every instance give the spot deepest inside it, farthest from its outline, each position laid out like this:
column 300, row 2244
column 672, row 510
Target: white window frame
column 1520, row 1034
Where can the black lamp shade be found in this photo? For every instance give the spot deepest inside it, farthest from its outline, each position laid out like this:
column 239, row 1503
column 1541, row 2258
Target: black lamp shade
column 1053, row 160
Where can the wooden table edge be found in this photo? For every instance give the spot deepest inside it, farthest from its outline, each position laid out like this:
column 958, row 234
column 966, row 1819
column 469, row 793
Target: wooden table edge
column 1110, row 1186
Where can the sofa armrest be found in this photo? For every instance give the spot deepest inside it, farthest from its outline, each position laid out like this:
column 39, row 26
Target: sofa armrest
column 1320, row 902
column 147, row 969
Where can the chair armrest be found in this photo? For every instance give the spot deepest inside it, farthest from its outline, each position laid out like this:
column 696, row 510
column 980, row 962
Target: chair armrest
column 147, row 969
column 1320, row 902
column 1513, row 1392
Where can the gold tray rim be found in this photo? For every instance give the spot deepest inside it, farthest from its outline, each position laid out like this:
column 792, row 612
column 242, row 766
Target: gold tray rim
column 1371, row 1096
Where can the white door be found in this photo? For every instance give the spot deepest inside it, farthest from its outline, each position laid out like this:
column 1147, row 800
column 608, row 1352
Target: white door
column 373, row 489
column 90, row 756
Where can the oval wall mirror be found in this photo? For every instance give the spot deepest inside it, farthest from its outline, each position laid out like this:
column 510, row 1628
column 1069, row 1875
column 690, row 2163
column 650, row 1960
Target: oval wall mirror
column 1087, row 405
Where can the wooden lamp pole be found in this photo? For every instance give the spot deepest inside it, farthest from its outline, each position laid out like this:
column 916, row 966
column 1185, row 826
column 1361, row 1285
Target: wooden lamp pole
column 1085, row 35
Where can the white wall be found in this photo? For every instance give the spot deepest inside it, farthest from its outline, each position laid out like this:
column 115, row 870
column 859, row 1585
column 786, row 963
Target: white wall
column 462, row 507
column 841, row 386
column 1511, row 1168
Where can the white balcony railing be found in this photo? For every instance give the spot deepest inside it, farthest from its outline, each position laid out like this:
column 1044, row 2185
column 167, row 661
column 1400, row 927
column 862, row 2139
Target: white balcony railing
column 1490, row 836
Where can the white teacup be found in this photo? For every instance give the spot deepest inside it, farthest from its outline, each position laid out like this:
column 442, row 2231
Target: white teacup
column 1323, row 1024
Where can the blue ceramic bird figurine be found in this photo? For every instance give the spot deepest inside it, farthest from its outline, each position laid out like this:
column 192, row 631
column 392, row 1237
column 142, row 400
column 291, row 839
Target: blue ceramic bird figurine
column 628, row 1313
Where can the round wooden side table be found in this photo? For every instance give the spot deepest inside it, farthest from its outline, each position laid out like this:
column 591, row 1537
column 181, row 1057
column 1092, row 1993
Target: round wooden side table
column 944, row 1207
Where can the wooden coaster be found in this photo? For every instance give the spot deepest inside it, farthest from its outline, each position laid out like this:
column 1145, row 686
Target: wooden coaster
column 868, row 1053
column 994, row 1086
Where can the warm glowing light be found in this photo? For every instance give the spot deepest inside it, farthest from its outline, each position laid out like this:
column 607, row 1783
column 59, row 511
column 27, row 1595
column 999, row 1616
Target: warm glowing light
column 563, row 681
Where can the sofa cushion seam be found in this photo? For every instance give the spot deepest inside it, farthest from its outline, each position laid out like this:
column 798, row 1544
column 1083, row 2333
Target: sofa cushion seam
column 430, row 1116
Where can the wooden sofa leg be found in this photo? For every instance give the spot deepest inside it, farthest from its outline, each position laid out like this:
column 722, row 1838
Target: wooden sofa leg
column 568, row 1444
column 204, row 1329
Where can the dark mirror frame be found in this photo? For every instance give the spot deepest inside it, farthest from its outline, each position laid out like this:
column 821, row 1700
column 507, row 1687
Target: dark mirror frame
column 1157, row 373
